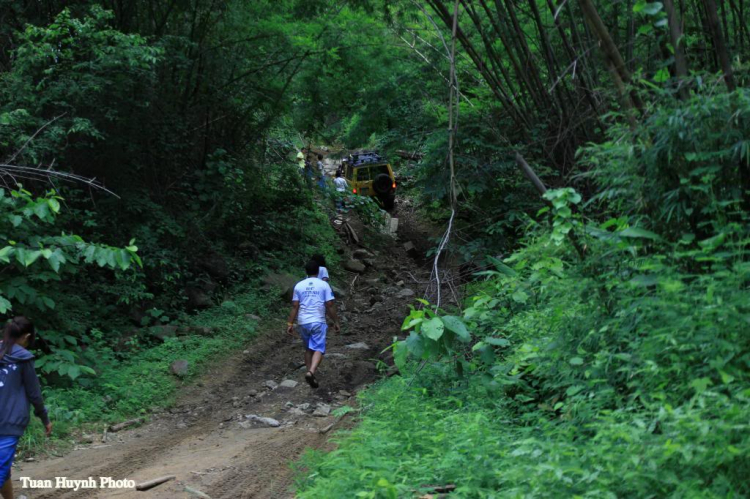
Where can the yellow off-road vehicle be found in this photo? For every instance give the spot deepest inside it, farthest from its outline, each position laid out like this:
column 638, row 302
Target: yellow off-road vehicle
column 369, row 174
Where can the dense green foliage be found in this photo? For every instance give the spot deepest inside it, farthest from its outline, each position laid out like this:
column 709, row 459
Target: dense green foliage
column 180, row 112
column 624, row 373
column 602, row 346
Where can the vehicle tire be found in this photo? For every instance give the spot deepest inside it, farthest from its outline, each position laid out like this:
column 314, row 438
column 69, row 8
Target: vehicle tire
column 381, row 184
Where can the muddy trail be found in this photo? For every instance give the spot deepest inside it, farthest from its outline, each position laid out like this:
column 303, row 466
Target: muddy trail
column 211, row 440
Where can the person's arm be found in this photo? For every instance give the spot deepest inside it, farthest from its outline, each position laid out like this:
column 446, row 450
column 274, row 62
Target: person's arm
column 331, row 311
column 323, row 274
column 292, row 317
column 34, row 393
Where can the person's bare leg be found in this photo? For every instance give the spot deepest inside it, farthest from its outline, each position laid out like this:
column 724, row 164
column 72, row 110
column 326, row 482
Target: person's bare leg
column 308, row 358
column 7, row 490
column 316, row 358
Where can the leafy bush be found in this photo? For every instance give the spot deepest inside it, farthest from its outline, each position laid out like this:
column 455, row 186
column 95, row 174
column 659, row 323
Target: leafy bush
column 37, row 262
column 618, row 371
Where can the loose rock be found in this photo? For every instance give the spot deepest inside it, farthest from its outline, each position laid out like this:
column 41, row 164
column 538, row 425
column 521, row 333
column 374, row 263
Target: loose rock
column 405, row 293
column 322, row 410
column 355, row 266
column 362, row 254
column 288, row 383
column 410, row 249
column 339, row 293
column 359, row 346
column 179, row 367
column 271, row 384
column 163, row 332
column 197, row 298
column 265, row 421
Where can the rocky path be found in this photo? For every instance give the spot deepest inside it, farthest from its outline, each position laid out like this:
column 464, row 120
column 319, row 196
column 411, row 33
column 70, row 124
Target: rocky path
column 234, row 433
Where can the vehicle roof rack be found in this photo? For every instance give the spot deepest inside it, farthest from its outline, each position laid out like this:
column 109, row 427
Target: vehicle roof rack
column 360, row 158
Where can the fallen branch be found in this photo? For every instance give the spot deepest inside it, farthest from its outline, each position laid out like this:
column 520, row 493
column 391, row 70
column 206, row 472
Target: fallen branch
column 125, row 424
column 352, row 234
column 153, row 483
column 196, row 492
column 325, row 430
column 33, row 136
column 414, row 156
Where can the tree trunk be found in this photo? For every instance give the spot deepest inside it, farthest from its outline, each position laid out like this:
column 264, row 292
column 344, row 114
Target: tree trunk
column 497, row 89
column 631, row 37
column 582, row 75
column 522, row 78
column 675, row 35
column 527, row 55
column 611, row 53
column 738, row 25
column 722, row 53
column 495, row 60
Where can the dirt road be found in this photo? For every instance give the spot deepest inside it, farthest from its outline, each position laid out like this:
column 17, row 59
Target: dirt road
column 207, row 440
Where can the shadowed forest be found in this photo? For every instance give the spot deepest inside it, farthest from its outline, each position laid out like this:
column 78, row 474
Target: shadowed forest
column 580, row 325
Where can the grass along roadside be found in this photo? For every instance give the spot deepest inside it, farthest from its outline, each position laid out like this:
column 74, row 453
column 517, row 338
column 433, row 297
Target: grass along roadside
column 143, row 383
column 140, row 382
column 565, row 388
column 411, row 440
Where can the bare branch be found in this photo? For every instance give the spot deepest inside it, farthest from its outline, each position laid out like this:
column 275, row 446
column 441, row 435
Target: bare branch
column 25, row 145
column 34, row 173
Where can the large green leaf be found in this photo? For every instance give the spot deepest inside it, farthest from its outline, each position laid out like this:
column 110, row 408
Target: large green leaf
column 400, row 353
column 456, row 325
column 56, row 259
column 501, row 267
column 638, row 233
column 434, row 328
column 415, row 344
column 6, row 253
column 5, row 305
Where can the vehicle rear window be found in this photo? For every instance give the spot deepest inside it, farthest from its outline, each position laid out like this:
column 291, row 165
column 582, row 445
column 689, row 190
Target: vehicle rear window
column 365, row 173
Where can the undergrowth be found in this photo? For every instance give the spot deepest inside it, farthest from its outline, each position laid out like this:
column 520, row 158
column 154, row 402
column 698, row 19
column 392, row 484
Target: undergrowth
column 608, row 357
column 143, row 383
column 648, row 398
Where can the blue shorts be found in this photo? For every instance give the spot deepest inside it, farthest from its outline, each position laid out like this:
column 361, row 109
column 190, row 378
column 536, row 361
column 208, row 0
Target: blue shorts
column 8, row 445
column 314, row 336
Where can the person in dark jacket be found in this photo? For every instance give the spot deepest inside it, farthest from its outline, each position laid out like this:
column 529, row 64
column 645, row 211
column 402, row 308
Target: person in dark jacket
column 19, row 387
